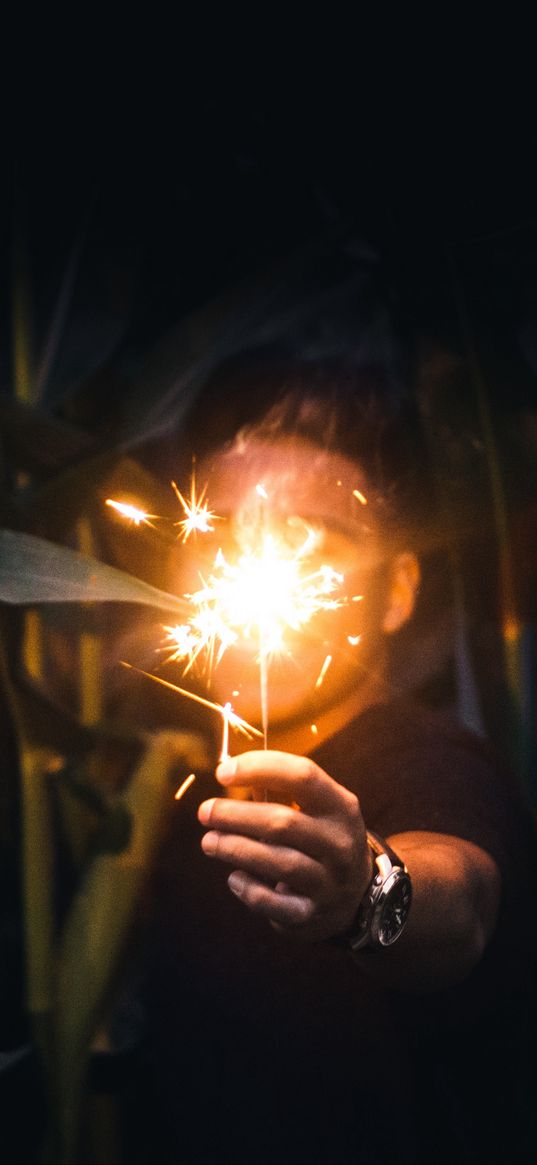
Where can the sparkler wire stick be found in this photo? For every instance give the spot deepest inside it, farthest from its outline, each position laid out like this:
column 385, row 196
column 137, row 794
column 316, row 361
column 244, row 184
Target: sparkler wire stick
column 224, row 752
column 263, row 686
column 224, row 710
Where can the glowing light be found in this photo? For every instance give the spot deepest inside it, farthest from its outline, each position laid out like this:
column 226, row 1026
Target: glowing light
column 354, row 640
column 132, row 513
column 269, row 589
column 258, row 598
column 323, row 671
column 185, row 785
column 198, row 516
column 314, row 729
column 511, row 628
column 356, row 493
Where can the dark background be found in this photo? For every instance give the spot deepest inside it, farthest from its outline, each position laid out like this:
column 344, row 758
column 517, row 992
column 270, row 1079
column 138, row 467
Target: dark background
column 141, row 181
column 148, row 180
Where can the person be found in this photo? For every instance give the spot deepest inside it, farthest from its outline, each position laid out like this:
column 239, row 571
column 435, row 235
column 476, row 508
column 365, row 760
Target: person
column 337, row 924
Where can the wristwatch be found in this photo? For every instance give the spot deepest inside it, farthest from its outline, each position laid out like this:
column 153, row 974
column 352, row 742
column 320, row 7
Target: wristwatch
column 385, row 907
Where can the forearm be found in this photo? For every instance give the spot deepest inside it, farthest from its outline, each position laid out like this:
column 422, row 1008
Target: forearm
column 306, row 870
column 456, row 888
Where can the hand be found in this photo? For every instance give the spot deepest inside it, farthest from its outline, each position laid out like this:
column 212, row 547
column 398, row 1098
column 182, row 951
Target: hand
column 301, row 856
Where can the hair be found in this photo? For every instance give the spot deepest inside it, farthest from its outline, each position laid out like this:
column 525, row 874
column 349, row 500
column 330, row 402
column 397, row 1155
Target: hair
column 358, row 411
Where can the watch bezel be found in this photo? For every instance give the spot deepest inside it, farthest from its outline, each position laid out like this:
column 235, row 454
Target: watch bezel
column 398, row 878
column 390, row 873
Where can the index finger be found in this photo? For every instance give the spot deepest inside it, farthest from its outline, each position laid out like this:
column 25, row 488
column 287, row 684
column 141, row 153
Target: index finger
column 283, row 774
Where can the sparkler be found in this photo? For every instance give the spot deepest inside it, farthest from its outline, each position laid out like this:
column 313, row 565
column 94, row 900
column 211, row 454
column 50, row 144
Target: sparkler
column 268, row 590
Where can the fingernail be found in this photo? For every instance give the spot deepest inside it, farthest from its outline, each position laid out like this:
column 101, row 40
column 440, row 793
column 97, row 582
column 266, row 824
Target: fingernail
column 226, row 769
column 205, row 810
column 209, row 842
column 236, row 883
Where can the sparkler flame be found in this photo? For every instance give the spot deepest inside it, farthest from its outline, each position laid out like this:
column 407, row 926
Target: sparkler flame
column 257, row 598
column 270, row 589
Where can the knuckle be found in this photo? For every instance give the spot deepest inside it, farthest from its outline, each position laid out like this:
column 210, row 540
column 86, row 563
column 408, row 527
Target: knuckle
column 346, row 849
column 295, row 914
column 306, row 911
column 353, row 808
column 254, row 894
column 310, row 773
column 292, row 864
column 232, row 848
column 280, row 824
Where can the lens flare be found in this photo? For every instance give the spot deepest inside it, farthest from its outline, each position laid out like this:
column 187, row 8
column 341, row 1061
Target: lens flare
column 255, row 599
column 269, row 588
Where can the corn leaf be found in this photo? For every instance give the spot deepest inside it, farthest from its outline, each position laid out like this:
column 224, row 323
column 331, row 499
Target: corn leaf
column 33, row 570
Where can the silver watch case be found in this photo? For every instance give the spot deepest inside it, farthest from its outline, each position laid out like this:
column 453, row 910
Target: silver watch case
column 385, row 907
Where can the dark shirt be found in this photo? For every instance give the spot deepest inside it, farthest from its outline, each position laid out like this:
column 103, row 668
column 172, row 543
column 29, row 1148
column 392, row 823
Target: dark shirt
column 265, row 1050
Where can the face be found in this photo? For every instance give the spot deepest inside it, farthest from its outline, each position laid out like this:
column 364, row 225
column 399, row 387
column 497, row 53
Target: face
column 291, row 567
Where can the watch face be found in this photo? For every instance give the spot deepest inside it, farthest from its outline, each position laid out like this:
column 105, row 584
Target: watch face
column 394, row 908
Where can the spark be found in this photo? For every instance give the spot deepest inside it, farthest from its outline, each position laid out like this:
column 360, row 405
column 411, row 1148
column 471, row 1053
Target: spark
column 356, row 493
column 198, row 516
column 354, row 640
column 185, row 785
column 314, row 729
column 323, row 671
column 136, row 516
column 260, row 489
